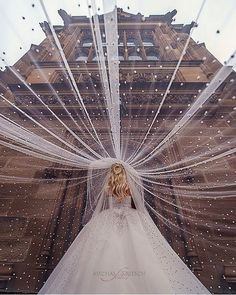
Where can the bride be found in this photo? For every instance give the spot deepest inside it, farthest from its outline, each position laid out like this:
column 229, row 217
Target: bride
column 119, row 250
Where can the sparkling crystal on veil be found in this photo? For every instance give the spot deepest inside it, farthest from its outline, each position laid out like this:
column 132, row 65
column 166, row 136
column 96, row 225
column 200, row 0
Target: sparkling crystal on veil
column 120, row 250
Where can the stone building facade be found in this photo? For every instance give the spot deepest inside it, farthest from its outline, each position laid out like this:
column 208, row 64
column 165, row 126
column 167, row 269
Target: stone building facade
column 39, row 219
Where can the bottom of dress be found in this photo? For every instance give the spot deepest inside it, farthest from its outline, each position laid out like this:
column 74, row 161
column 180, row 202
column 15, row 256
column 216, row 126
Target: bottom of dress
column 121, row 251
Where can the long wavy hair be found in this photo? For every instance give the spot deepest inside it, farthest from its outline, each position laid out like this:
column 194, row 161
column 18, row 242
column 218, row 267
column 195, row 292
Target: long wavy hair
column 117, row 182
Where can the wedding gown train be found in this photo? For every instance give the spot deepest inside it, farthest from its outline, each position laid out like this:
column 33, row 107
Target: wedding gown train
column 121, row 251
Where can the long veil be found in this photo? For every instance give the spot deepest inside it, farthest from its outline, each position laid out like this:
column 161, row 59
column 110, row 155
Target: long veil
column 119, row 85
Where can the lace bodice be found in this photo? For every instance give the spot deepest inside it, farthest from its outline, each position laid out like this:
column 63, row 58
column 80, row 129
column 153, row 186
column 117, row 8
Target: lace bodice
column 114, row 203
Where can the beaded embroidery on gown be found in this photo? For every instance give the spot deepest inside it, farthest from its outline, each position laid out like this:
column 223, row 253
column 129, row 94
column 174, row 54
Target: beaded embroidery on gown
column 121, row 251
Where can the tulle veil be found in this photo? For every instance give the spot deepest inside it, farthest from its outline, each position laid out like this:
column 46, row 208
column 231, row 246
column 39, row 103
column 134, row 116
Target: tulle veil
column 97, row 225
column 142, row 131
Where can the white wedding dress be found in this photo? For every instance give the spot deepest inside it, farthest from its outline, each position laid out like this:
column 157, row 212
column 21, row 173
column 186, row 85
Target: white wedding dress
column 121, row 251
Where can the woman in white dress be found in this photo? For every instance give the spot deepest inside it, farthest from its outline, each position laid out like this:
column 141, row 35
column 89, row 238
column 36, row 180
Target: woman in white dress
column 120, row 250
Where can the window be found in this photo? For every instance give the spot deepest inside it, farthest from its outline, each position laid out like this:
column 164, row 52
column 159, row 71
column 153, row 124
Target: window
column 147, row 38
column 152, row 54
column 131, row 41
column 81, row 57
column 87, row 43
column 95, row 58
column 148, row 43
column 121, row 53
column 134, row 56
column 152, row 57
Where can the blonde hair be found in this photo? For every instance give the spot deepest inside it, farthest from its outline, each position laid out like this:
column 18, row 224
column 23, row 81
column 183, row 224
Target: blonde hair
column 117, row 182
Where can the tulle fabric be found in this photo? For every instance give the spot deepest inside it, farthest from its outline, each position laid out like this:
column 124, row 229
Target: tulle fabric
column 140, row 130
column 121, row 251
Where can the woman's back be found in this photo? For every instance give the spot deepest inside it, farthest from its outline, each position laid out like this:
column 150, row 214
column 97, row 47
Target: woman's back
column 115, row 203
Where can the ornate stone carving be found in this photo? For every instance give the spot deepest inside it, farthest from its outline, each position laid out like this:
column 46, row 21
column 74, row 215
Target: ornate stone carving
column 142, row 77
column 92, row 99
column 145, row 77
column 69, row 99
column 179, row 99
